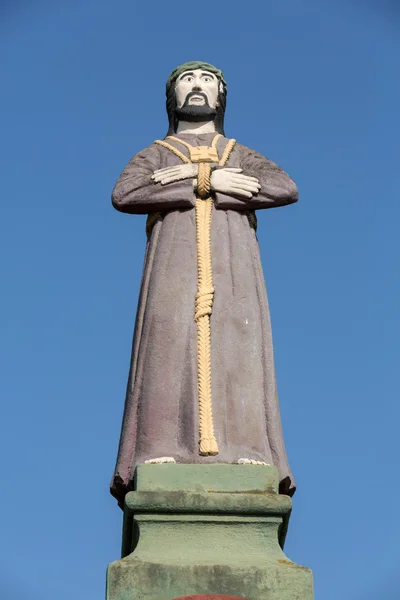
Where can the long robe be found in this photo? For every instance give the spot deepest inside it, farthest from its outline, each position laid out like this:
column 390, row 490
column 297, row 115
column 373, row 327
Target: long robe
column 161, row 407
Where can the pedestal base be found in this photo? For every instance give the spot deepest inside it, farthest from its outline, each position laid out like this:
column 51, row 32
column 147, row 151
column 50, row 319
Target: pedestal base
column 206, row 529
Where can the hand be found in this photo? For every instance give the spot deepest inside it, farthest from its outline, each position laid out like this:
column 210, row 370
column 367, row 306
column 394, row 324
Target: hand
column 176, row 173
column 230, row 181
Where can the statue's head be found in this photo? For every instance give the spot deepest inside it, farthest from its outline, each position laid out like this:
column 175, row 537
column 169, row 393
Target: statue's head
column 196, row 91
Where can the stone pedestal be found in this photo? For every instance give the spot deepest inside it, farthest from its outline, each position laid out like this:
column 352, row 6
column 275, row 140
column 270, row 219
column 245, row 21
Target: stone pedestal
column 206, row 529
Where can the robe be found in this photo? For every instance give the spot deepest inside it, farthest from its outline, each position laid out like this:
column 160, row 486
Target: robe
column 161, row 407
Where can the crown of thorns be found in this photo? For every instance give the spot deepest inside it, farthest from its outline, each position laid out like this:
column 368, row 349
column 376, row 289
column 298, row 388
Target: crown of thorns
column 191, row 66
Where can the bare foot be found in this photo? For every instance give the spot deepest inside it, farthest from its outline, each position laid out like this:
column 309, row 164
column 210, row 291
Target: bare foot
column 248, row 461
column 157, row 461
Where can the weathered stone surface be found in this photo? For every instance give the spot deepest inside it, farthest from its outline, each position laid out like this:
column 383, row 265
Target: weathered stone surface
column 210, row 597
column 212, row 502
column 198, row 538
column 206, row 478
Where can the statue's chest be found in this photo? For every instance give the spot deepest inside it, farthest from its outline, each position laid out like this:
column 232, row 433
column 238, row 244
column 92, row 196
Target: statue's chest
column 197, row 154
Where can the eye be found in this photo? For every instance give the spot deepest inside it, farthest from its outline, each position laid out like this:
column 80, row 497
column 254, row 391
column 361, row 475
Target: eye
column 206, row 78
column 188, row 78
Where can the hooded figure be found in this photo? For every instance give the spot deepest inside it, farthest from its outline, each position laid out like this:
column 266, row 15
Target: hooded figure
column 161, row 417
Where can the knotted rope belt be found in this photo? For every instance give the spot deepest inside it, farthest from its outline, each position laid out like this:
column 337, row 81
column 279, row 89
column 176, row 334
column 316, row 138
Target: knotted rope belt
column 203, row 155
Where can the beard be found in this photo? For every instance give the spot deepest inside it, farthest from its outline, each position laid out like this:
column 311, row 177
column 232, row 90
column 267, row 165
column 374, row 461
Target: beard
column 194, row 112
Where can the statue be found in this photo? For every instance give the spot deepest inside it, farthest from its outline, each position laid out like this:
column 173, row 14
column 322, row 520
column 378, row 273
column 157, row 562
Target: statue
column 202, row 384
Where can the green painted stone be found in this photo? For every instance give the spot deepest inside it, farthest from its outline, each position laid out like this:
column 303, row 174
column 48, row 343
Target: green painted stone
column 206, row 529
column 206, row 478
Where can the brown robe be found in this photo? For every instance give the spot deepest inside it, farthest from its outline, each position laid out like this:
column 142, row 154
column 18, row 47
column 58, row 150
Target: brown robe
column 161, row 408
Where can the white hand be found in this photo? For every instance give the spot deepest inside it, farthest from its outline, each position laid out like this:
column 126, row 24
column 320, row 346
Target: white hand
column 230, row 181
column 176, row 173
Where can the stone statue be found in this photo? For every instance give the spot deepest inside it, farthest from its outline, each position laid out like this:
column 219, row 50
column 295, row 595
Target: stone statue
column 202, row 384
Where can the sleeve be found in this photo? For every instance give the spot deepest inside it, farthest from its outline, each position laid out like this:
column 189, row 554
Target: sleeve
column 277, row 188
column 136, row 193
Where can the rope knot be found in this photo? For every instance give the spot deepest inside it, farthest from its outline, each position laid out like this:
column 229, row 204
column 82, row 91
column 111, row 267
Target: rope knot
column 204, row 302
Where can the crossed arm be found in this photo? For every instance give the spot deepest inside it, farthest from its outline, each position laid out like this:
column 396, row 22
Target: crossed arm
column 143, row 187
column 258, row 183
column 224, row 180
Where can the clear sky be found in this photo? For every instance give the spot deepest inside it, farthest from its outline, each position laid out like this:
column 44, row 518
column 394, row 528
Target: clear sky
column 313, row 85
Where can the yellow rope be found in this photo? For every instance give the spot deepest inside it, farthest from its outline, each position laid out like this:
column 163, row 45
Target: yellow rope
column 188, row 146
column 205, row 291
column 204, row 302
column 213, row 143
column 215, row 140
column 177, row 152
column 227, row 152
column 203, row 310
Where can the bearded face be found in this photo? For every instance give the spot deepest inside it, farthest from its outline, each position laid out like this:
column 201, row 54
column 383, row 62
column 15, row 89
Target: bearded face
column 196, row 95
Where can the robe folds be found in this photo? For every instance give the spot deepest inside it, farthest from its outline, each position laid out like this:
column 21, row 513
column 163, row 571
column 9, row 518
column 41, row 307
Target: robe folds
column 161, row 407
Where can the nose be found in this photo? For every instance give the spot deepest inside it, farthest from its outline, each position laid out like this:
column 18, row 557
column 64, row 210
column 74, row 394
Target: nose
column 197, row 83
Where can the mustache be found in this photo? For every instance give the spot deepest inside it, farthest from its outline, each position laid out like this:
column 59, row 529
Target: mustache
column 191, row 94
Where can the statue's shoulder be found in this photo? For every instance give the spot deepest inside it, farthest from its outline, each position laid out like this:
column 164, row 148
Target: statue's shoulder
column 151, row 148
column 245, row 150
column 251, row 155
column 149, row 153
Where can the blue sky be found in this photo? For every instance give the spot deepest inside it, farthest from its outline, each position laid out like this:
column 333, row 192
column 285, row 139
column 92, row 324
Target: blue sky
column 314, row 85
